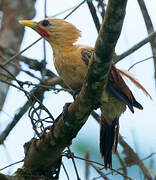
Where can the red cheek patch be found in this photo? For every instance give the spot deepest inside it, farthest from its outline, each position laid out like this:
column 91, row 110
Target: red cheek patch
column 43, row 32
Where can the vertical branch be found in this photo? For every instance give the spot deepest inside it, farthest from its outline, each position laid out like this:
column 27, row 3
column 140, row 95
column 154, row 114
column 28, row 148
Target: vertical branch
column 74, row 164
column 44, row 45
column 87, row 166
column 44, row 51
column 94, row 15
column 150, row 29
column 123, row 165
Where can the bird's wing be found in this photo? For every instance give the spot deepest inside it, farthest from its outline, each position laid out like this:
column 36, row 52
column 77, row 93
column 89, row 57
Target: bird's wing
column 117, row 87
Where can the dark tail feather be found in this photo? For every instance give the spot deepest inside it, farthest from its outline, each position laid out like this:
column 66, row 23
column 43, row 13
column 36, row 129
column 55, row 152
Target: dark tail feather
column 120, row 96
column 136, row 104
column 124, row 99
column 108, row 139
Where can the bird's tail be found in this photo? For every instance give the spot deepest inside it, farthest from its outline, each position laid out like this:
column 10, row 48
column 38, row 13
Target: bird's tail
column 108, row 140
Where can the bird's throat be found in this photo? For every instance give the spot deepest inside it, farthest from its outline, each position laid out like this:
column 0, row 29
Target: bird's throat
column 43, row 33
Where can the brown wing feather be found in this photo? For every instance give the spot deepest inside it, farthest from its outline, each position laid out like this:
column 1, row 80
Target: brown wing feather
column 117, row 87
column 129, row 76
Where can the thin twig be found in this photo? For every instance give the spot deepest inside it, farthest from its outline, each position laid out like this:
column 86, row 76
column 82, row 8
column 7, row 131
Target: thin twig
column 94, row 15
column 150, row 29
column 44, row 43
column 149, row 156
column 30, row 74
column 122, row 174
column 32, row 112
column 43, row 74
column 13, row 85
column 64, row 168
column 62, row 12
column 6, row 70
column 32, row 63
column 45, row 8
column 83, row 159
column 86, row 166
column 12, row 164
column 6, row 76
column 99, row 172
column 139, row 62
column 123, row 165
column 76, row 171
column 17, row 54
column 74, row 9
column 96, row 116
column 135, row 47
column 94, row 162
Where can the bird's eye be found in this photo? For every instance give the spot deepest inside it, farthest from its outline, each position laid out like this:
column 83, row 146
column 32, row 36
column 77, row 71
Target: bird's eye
column 45, row 23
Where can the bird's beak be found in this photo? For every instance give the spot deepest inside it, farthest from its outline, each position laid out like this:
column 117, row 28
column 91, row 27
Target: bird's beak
column 29, row 23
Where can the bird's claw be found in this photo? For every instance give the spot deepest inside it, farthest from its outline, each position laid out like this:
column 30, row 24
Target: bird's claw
column 76, row 92
column 65, row 111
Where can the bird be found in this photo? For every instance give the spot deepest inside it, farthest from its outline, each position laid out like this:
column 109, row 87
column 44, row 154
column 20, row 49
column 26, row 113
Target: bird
column 71, row 61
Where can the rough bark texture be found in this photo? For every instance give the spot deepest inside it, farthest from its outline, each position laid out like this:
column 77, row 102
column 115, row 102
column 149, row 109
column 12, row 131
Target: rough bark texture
column 11, row 32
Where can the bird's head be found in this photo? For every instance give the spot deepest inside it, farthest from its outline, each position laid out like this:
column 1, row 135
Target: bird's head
column 56, row 31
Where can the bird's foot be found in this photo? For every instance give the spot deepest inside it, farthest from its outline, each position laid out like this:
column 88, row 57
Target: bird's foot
column 76, row 92
column 65, row 111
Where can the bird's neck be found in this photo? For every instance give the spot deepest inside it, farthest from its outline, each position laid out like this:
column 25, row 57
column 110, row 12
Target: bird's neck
column 63, row 49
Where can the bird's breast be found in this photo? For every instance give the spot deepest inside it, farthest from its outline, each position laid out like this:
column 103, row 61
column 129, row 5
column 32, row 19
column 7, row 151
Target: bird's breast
column 71, row 69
